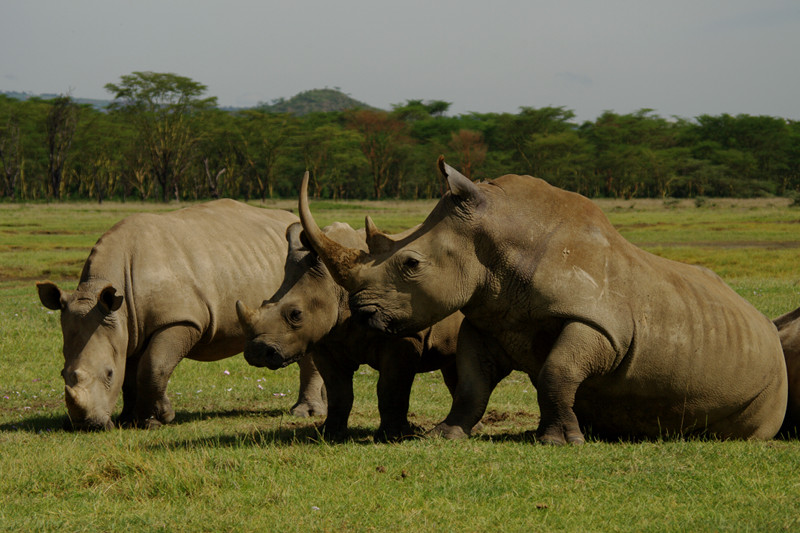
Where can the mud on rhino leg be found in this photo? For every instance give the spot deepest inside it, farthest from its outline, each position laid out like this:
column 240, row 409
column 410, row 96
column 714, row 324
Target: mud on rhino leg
column 579, row 352
column 312, row 399
column 396, row 376
column 338, row 377
column 480, row 364
column 167, row 347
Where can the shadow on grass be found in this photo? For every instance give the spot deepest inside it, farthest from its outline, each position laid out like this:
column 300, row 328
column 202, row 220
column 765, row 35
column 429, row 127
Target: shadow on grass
column 36, row 424
column 292, row 434
column 48, row 423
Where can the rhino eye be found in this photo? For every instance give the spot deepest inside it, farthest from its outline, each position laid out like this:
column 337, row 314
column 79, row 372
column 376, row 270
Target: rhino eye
column 411, row 263
column 294, row 317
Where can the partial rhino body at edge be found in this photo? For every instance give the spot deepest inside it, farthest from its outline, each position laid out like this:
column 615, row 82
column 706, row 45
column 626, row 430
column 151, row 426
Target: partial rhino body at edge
column 789, row 331
column 614, row 338
column 157, row 288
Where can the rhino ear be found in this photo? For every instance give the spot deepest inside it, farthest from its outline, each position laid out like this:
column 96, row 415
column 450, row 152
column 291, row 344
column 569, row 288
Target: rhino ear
column 108, row 299
column 460, row 185
column 294, row 238
column 50, row 295
column 377, row 241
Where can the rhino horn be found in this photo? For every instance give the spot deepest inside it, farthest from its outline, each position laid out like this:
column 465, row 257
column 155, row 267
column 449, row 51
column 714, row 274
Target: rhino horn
column 377, row 241
column 459, row 184
column 340, row 260
column 244, row 313
column 293, row 236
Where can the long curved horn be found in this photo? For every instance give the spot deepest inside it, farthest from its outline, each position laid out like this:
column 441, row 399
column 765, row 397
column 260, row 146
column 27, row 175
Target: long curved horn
column 340, row 260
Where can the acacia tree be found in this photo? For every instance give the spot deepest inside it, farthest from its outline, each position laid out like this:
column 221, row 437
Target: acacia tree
column 61, row 123
column 162, row 107
column 383, row 138
column 470, row 150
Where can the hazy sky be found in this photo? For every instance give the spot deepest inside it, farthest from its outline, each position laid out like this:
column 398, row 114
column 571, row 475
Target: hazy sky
column 678, row 57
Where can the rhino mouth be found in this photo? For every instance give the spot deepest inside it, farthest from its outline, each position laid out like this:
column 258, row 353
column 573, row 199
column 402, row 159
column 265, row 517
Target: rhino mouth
column 373, row 317
column 262, row 354
column 87, row 425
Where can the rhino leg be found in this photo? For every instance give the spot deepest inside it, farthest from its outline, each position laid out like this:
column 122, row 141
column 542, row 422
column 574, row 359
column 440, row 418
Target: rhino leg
column 481, row 364
column 312, row 399
column 397, row 368
column 579, row 351
column 450, row 378
column 166, row 349
column 338, row 377
column 129, row 390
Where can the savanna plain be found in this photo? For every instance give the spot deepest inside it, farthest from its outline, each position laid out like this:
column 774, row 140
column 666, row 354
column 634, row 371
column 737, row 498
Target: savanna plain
column 235, row 459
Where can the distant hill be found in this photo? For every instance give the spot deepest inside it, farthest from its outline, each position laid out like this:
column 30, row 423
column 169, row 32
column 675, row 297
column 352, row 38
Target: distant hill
column 313, row 101
column 97, row 104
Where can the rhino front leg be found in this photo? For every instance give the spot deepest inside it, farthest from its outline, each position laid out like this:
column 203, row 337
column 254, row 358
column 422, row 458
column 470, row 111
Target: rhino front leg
column 338, row 378
column 480, row 365
column 579, row 351
column 312, row 399
column 396, row 376
column 129, row 392
column 166, row 349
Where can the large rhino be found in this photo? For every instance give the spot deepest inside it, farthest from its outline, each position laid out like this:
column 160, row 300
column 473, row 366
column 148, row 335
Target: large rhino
column 309, row 314
column 789, row 331
column 160, row 287
column 628, row 343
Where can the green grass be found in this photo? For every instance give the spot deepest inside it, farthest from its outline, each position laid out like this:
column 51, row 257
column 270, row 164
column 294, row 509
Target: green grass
column 235, row 460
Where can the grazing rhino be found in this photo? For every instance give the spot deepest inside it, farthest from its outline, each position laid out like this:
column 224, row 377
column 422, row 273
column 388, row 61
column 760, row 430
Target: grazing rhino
column 309, row 314
column 157, row 288
column 789, row 331
column 631, row 344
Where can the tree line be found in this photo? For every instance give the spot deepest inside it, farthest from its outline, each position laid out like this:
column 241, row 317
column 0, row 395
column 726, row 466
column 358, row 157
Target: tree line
column 161, row 138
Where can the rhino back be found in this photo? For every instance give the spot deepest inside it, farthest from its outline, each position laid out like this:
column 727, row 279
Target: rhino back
column 189, row 266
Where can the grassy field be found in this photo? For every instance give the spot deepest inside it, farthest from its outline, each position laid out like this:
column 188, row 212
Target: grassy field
column 235, row 460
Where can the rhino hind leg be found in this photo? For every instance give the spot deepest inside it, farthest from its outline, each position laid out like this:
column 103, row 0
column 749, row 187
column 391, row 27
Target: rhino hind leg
column 166, row 349
column 312, row 399
column 578, row 351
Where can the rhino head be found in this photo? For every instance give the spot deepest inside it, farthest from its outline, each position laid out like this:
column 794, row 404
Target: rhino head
column 408, row 282
column 303, row 310
column 95, row 349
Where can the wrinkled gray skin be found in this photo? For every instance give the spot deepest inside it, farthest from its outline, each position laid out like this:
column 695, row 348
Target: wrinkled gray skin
column 309, row 314
column 789, row 331
column 155, row 289
column 630, row 344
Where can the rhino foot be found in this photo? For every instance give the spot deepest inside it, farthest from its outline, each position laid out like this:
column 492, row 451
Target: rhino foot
column 307, row 409
column 334, row 433
column 405, row 431
column 448, row 432
column 559, row 438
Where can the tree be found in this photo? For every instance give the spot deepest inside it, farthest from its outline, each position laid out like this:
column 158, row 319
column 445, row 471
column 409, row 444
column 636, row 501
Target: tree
column 383, row 138
column 10, row 146
column 470, row 150
column 263, row 139
column 163, row 107
column 62, row 121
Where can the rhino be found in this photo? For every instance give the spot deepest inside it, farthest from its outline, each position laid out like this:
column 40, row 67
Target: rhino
column 789, row 331
column 309, row 315
column 157, row 288
column 617, row 341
